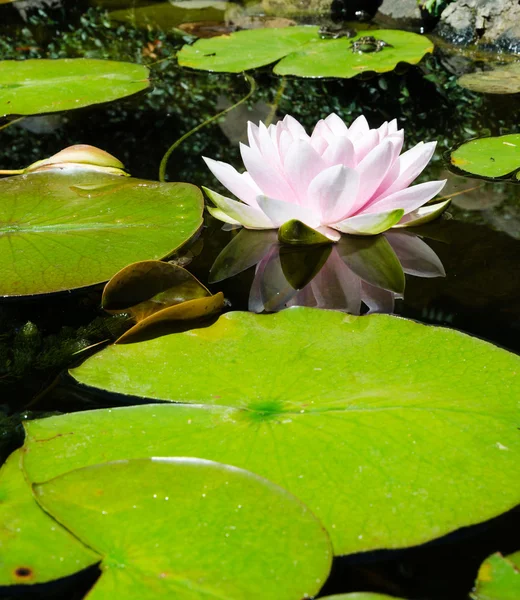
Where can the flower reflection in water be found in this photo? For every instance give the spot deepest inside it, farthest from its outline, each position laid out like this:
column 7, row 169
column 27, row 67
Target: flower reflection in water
column 355, row 273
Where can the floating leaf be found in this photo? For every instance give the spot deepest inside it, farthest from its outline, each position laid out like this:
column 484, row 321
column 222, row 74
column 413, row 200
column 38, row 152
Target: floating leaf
column 306, row 54
column 244, row 50
column 25, row 530
column 189, row 528
column 489, row 157
column 70, row 229
column 392, row 432
column 163, row 321
column 502, row 80
column 36, row 86
column 498, row 578
column 338, row 58
column 360, row 596
column 157, row 295
column 139, row 286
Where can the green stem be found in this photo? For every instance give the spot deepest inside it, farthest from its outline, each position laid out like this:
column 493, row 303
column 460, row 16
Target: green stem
column 164, row 161
column 6, row 125
column 13, row 172
column 276, row 103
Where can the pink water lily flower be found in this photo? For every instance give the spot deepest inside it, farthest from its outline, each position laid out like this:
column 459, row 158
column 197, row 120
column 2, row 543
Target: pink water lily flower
column 339, row 179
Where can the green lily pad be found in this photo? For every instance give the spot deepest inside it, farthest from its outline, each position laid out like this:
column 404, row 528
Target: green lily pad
column 350, row 414
column 502, row 80
column 31, row 87
column 489, row 157
column 336, row 58
column 360, row 596
column 26, row 529
column 190, row 529
column 244, row 50
column 498, row 578
column 306, row 54
column 61, row 230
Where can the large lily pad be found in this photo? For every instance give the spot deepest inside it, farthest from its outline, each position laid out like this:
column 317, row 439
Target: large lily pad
column 306, row 54
column 338, row 58
column 244, row 50
column 360, row 596
column 190, row 529
column 392, row 432
column 489, row 157
column 498, row 578
column 36, row 86
column 70, row 229
column 25, row 530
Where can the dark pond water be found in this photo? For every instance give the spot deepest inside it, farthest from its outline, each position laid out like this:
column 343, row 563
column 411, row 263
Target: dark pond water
column 477, row 241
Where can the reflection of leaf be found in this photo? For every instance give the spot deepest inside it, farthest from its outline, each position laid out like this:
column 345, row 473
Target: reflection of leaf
column 35, row 86
column 489, row 157
column 350, row 414
column 168, row 15
column 188, row 529
column 498, row 578
column 340, row 277
column 303, row 52
column 25, row 529
column 64, row 230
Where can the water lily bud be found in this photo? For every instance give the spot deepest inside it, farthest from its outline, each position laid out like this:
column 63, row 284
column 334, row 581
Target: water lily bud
column 80, row 156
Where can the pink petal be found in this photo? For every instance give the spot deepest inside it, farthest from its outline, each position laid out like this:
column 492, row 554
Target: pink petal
column 294, row 127
column 370, row 224
column 365, row 144
column 279, row 212
column 241, row 185
column 336, row 125
column 382, row 131
column 301, row 164
column 268, row 149
column 252, row 135
column 332, row 193
column 359, row 128
column 267, row 179
column 340, row 152
column 372, row 170
column 392, row 126
column 409, row 199
column 411, row 164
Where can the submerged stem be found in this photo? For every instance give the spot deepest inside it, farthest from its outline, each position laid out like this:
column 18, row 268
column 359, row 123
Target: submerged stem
column 164, row 161
column 9, row 123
